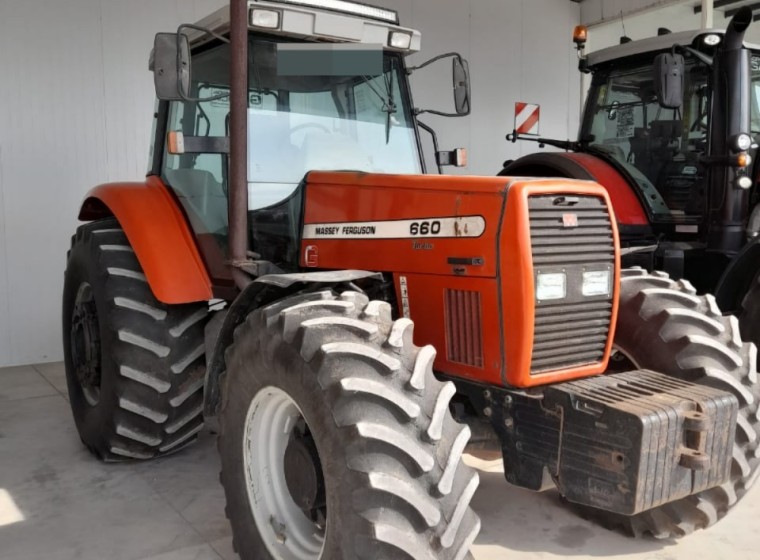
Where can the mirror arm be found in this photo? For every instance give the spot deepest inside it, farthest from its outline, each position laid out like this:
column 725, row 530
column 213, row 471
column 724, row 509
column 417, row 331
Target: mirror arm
column 205, row 30
column 433, row 60
column 418, row 112
column 702, row 57
column 433, row 134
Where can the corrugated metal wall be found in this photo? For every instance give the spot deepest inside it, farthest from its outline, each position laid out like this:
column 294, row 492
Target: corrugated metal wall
column 76, row 101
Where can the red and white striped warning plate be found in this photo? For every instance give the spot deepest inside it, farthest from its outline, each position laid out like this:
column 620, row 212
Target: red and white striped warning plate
column 527, row 118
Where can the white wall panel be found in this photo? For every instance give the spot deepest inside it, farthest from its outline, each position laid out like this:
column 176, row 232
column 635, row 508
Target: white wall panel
column 54, row 141
column 550, row 74
column 76, row 102
column 5, row 335
column 595, row 11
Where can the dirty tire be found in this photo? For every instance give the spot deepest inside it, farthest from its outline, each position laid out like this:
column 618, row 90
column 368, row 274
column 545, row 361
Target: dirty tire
column 663, row 325
column 749, row 314
column 149, row 356
column 389, row 449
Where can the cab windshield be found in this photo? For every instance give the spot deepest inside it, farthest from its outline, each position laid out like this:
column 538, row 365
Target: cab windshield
column 659, row 148
column 297, row 124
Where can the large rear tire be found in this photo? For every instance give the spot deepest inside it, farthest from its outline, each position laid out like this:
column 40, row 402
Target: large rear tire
column 134, row 366
column 663, row 325
column 372, row 425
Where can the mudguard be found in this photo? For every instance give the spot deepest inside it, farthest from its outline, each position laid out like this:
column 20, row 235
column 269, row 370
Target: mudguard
column 587, row 167
column 738, row 277
column 159, row 235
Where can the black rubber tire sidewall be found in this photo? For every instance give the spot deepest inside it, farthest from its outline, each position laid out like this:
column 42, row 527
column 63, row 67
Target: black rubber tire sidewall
column 90, row 420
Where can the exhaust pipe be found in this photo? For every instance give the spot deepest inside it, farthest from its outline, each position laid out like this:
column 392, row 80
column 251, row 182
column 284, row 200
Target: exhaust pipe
column 734, row 39
column 729, row 204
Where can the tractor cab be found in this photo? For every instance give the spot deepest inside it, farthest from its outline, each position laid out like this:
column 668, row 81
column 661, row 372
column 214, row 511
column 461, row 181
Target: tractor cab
column 666, row 149
column 328, row 89
column 670, row 129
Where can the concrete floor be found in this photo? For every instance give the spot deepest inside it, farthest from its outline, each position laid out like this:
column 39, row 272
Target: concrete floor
column 58, row 503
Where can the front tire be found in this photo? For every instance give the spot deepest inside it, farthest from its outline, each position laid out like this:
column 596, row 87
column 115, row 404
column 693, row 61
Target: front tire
column 134, row 366
column 382, row 439
column 664, row 326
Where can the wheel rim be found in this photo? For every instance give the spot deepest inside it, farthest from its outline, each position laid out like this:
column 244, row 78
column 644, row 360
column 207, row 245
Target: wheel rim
column 285, row 529
column 85, row 344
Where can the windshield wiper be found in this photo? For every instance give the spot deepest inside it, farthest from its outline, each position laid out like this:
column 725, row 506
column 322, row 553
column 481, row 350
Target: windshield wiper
column 388, row 100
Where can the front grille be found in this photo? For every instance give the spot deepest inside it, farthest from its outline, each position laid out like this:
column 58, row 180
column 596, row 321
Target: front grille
column 464, row 340
column 572, row 331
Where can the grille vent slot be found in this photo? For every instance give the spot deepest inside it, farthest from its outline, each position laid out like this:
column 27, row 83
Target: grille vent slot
column 464, row 338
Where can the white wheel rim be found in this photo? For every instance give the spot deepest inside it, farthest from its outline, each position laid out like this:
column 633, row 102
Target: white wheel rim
column 286, row 531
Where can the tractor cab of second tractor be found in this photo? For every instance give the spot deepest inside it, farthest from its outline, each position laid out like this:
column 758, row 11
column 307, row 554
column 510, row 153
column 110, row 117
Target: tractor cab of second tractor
column 670, row 129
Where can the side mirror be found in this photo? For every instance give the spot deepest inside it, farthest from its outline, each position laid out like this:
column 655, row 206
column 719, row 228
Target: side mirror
column 669, row 80
column 462, row 97
column 461, row 86
column 170, row 64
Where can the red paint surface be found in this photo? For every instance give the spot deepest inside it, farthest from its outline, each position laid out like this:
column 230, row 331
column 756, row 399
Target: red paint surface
column 158, row 233
column 627, row 205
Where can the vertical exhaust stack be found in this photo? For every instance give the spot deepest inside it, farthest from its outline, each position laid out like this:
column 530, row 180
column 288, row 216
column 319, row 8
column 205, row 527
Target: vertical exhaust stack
column 728, row 205
column 238, row 172
column 734, row 39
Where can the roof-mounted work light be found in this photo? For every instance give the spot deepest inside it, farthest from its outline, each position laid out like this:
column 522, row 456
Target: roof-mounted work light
column 346, row 7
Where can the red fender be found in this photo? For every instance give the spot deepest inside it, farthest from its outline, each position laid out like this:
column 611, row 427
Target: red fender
column 159, row 234
column 626, row 204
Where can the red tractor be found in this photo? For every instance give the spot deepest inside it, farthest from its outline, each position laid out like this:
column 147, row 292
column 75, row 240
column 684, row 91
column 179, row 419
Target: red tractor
column 356, row 332
column 670, row 131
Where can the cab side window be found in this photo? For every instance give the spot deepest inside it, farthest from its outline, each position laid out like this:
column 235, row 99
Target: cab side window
column 199, row 180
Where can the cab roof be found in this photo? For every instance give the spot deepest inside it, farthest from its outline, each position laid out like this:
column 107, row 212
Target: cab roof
column 654, row 44
column 306, row 22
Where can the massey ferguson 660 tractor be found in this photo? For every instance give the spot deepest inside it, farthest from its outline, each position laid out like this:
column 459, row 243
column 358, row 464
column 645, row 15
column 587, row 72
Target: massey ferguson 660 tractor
column 669, row 130
column 268, row 272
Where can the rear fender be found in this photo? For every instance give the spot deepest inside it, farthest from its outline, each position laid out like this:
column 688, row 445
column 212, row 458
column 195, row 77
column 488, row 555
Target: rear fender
column 585, row 167
column 159, row 235
column 738, row 277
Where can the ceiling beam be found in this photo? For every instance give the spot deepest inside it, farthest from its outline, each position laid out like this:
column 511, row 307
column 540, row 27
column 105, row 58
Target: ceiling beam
column 731, row 13
column 717, row 4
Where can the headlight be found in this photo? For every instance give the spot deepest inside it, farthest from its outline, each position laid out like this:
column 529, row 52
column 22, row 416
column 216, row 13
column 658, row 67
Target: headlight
column 742, row 142
column 268, row 19
column 597, row 283
column 551, row 286
column 400, row 40
column 744, row 182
